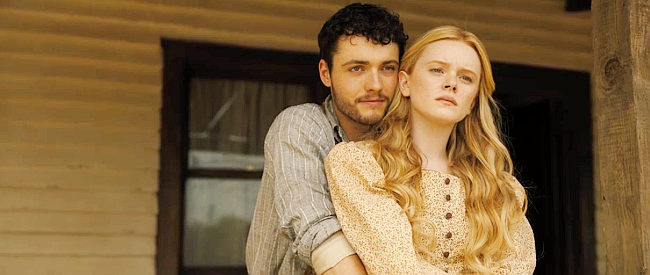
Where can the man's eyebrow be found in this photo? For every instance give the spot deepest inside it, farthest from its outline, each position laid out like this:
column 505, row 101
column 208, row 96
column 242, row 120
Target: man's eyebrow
column 354, row 61
column 365, row 62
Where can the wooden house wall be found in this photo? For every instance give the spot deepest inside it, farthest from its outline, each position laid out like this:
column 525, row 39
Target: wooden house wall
column 80, row 94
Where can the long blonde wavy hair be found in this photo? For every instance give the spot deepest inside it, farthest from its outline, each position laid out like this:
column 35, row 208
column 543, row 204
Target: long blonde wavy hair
column 476, row 155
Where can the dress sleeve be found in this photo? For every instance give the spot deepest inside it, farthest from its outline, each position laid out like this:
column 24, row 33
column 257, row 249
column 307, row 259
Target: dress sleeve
column 522, row 259
column 371, row 220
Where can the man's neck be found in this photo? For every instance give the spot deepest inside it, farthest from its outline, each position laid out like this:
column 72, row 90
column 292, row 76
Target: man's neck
column 352, row 129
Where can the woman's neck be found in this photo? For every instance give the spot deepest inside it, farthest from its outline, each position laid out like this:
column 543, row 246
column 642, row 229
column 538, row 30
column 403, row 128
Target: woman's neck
column 430, row 140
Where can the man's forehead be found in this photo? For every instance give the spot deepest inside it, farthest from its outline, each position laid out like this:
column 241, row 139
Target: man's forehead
column 363, row 48
column 353, row 40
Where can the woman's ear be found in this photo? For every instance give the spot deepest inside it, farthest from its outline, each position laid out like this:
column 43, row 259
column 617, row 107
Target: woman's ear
column 404, row 84
column 324, row 73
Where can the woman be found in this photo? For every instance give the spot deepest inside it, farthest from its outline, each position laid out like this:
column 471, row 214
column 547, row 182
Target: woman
column 434, row 191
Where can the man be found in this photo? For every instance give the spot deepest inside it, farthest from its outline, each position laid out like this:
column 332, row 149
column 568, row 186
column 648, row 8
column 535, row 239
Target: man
column 294, row 228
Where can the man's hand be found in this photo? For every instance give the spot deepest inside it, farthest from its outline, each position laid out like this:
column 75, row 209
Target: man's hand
column 349, row 265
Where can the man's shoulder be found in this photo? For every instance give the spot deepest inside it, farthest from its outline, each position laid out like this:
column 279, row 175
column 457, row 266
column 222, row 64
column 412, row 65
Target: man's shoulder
column 303, row 118
column 306, row 111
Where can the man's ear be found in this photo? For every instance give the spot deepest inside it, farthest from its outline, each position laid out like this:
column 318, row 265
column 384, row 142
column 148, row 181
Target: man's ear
column 324, row 73
column 404, row 84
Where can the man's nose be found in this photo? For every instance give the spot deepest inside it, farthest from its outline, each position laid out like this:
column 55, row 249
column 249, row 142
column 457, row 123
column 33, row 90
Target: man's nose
column 373, row 81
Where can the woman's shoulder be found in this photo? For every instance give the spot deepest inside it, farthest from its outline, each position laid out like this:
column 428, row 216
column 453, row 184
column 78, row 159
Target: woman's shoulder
column 357, row 158
column 353, row 149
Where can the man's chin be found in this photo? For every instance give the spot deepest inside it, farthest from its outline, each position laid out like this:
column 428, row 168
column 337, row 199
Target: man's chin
column 370, row 120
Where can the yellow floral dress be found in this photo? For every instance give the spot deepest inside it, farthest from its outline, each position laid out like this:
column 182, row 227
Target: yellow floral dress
column 380, row 233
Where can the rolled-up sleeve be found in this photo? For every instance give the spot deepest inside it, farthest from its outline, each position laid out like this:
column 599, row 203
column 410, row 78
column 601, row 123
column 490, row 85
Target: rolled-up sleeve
column 297, row 148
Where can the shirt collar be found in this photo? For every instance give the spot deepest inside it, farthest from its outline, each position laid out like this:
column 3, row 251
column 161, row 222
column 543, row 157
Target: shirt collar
column 328, row 107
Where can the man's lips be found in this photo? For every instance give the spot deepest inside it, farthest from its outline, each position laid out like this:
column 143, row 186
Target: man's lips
column 375, row 101
column 447, row 99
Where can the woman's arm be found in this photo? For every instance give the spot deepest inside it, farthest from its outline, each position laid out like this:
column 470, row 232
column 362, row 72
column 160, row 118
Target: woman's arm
column 371, row 219
column 522, row 259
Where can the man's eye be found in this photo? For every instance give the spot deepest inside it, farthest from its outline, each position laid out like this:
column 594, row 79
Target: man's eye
column 355, row 69
column 390, row 68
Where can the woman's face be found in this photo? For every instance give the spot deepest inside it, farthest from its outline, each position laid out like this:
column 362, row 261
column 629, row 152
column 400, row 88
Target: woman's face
column 444, row 82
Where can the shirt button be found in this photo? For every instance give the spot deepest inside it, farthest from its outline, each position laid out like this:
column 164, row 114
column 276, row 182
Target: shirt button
column 445, row 254
column 448, row 235
column 448, row 197
column 448, row 216
column 447, row 181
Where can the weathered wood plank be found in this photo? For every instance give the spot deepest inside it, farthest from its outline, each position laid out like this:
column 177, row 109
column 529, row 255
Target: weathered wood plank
column 75, row 156
column 639, row 41
column 70, row 245
column 143, row 31
column 80, row 201
column 166, row 16
column 80, row 178
column 143, row 118
column 44, row 134
column 77, row 223
column 66, row 265
column 78, row 67
column 621, row 112
column 89, row 48
column 78, row 89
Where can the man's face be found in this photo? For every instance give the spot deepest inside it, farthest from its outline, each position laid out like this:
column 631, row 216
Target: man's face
column 362, row 79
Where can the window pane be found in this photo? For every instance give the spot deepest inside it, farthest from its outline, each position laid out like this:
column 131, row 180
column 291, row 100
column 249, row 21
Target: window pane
column 232, row 117
column 218, row 213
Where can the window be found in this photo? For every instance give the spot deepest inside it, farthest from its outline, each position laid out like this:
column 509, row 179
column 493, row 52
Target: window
column 218, row 103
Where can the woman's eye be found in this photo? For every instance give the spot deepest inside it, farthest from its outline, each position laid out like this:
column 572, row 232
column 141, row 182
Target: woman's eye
column 436, row 70
column 466, row 78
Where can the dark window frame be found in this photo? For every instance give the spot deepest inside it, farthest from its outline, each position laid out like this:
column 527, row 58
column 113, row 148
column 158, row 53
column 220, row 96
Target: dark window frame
column 183, row 61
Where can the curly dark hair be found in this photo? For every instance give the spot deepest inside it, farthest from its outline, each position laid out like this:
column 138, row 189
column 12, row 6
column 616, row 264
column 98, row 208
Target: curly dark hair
column 368, row 20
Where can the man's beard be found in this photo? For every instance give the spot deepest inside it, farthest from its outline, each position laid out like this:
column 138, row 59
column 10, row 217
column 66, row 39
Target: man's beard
column 350, row 109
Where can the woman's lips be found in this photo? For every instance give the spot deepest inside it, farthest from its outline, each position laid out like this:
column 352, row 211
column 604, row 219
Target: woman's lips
column 447, row 100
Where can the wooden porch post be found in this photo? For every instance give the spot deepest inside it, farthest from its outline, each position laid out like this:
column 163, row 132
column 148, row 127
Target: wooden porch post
column 621, row 117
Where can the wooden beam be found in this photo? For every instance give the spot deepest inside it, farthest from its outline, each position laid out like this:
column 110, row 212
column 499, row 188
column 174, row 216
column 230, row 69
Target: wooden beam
column 621, row 101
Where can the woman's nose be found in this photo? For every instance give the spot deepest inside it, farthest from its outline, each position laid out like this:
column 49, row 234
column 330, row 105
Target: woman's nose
column 449, row 84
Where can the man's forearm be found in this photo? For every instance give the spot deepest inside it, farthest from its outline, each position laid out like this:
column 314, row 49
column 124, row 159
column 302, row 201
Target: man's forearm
column 349, row 265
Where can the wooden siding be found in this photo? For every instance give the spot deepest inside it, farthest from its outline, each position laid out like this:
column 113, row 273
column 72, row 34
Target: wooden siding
column 80, row 84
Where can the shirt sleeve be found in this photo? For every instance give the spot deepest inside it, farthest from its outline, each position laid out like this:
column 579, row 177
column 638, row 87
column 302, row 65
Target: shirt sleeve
column 371, row 219
column 330, row 252
column 296, row 145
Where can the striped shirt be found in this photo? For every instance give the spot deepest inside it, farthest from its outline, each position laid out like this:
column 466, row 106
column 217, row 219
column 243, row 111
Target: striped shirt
column 294, row 212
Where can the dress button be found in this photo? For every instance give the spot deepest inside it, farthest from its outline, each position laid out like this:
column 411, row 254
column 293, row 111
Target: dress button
column 447, row 181
column 448, row 216
column 446, row 270
column 448, row 235
column 448, row 197
column 445, row 254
